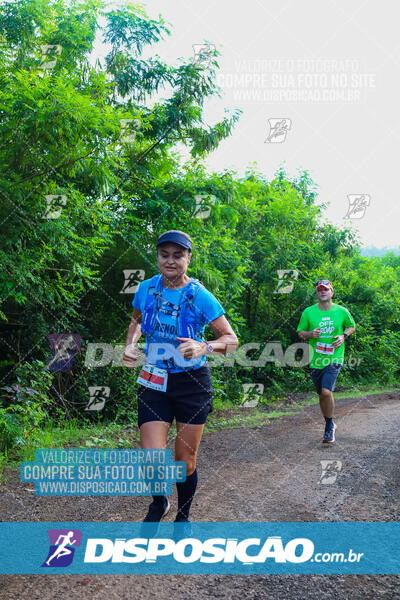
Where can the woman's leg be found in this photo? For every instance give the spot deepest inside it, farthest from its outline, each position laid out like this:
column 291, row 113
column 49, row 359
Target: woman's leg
column 153, row 435
column 186, row 447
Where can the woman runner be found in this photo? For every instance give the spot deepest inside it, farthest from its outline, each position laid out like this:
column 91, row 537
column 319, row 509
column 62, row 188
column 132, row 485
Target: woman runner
column 172, row 309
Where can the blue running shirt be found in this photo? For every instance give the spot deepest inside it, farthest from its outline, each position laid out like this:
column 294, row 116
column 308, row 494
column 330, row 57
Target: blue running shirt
column 163, row 342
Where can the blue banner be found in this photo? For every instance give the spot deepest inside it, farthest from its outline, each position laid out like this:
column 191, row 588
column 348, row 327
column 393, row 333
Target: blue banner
column 231, row 548
column 76, row 472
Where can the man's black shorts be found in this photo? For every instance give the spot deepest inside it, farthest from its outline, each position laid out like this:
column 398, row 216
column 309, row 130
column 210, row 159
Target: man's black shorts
column 188, row 398
column 326, row 377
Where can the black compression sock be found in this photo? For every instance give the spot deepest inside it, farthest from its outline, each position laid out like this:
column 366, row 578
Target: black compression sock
column 328, row 420
column 186, row 490
column 160, row 499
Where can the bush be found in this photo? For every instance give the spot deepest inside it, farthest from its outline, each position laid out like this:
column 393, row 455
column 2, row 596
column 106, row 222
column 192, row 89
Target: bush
column 23, row 408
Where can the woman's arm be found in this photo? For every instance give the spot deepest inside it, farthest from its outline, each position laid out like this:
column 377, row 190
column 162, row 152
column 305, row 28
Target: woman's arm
column 134, row 330
column 225, row 342
column 226, row 338
column 132, row 354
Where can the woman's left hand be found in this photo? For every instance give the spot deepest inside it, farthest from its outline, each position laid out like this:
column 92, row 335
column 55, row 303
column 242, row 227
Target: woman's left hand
column 191, row 348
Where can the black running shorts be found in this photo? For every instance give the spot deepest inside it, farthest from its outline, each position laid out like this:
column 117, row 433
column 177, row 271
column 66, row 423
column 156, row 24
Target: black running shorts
column 326, row 377
column 188, row 398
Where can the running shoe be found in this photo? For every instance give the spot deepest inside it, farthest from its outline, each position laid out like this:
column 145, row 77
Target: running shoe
column 329, row 435
column 157, row 510
column 182, row 530
column 151, row 523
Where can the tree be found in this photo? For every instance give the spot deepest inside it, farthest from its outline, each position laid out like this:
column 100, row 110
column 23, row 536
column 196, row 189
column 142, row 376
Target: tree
column 81, row 152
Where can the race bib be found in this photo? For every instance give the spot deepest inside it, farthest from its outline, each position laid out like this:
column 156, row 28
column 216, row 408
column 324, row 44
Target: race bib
column 324, row 348
column 154, row 378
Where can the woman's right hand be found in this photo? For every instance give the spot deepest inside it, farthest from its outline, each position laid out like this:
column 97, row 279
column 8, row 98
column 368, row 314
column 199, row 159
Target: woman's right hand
column 133, row 357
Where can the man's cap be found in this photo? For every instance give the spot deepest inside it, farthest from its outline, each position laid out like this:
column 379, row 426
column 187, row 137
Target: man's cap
column 175, row 236
column 324, row 283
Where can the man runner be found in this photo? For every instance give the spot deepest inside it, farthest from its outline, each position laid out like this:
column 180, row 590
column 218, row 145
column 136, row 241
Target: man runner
column 326, row 325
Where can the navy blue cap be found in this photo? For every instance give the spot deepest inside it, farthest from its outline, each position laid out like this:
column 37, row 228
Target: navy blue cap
column 175, row 236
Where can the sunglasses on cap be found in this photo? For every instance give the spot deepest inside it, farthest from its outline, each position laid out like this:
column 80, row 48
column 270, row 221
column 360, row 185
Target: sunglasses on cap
column 323, row 282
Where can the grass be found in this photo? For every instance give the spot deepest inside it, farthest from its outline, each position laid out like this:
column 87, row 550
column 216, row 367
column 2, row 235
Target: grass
column 366, row 391
column 226, row 415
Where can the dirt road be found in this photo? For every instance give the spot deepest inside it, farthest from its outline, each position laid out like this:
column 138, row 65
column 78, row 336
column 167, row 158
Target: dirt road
column 268, row 473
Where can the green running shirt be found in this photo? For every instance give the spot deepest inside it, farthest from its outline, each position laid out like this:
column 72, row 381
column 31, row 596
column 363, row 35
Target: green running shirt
column 332, row 322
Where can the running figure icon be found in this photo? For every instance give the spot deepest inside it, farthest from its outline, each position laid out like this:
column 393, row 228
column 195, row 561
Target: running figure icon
column 62, row 550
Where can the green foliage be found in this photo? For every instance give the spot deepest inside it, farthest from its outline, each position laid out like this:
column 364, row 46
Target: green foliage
column 23, row 409
column 62, row 135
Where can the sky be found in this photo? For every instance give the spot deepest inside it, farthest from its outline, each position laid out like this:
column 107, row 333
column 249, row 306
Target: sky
column 318, row 86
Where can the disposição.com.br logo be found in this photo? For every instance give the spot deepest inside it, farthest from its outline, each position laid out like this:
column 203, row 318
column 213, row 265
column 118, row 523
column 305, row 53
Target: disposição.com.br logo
column 62, row 547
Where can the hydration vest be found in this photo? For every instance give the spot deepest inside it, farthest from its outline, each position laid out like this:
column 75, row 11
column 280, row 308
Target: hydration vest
column 187, row 321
